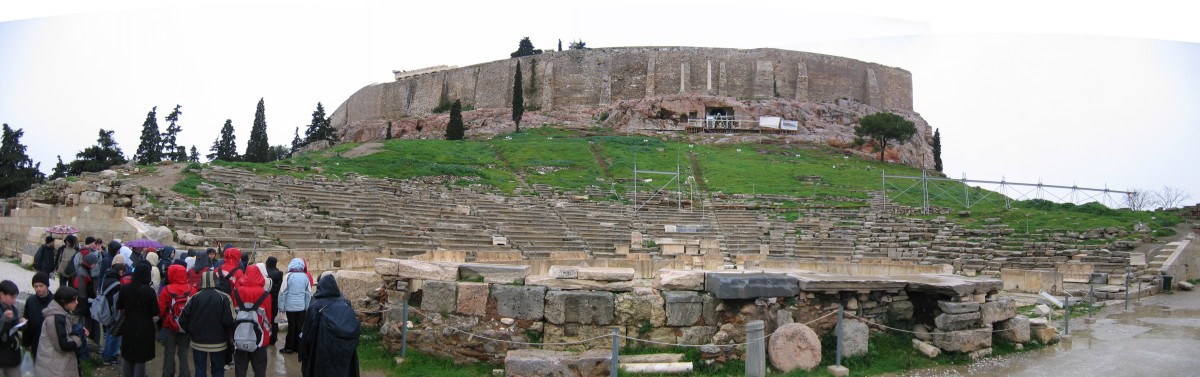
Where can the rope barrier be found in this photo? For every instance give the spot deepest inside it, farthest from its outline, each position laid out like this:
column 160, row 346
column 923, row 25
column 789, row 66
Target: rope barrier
column 747, row 342
column 473, row 335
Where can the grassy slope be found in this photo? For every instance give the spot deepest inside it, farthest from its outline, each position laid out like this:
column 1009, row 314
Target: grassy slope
column 568, row 163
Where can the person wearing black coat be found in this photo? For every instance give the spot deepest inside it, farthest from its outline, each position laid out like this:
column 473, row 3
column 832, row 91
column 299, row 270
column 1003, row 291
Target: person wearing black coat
column 276, row 277
column 43, row 260
column 40, row 299
column 139, row 304
column 320, row 357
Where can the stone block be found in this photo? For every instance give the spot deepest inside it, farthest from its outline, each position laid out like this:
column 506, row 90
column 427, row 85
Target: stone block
column 920, row 331
column 683, row 308
column 643, row 305
column 697, row 334
column 964, row 340
column 472, row 299
column 996, row 311
column 951, row 322
column 412, row 269
column 1041, row 309
column 1014, row 329
column 540, row 363
column 439, row 296
column 854, row 338
column 582, row 307
column 1043, row 334
column 564, row 272
column 926, row 349
column 981, row 353
column 91, row 197
column 794, row 346
column 520, row 302
column 727, row 286
column 578, row 284
column 606, row 274
column 680, row 280
column 491, row 273
column 356, row 285
column 958, row 307
column 838, row 371
column 901, row 310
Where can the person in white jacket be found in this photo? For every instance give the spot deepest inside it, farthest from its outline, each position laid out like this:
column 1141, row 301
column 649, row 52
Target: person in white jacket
column 294, row 297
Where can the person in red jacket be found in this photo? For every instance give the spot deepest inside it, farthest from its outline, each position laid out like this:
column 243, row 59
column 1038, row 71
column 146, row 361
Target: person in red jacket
column 171, row 301
column 249, row 289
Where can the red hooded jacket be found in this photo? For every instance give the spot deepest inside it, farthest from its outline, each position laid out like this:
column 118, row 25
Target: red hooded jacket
column 233, row 258
column 177, row 285
column 249, row 288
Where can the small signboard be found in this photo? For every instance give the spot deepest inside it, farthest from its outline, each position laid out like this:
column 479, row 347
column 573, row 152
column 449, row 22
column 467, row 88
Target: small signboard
column 769, row 122
column 1098, row 278
column 790, row 125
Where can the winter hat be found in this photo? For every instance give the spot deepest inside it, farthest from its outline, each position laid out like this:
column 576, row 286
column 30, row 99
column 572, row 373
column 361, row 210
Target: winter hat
column 91, row 259
column 41, row 277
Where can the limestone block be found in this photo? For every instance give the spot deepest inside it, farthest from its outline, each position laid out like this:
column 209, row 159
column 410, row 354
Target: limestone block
column 520, row 302
column 189, row 239
column 901, row 310
column 854, row 338
column 673, row 249
column 963, row 341
column 472, row 299
column 540, row 363
column 128, row 189
column 564, row 272
column 606, row 274
column 680, row 280
column 958, row 307
column 951, row 322
column 979, row 354
column 108, row 174
column 920, row 331
column 91, row 197
column 1041, row 309
column 439, row 296
column 683, row 308
column 582, row 307
column 926, row 348
column 1185, row 286
column 838, row 371
column 356, row 285
column 794, row 346
column 743, row 286
column 492, row 273
column 697, row 334
column 1014, row 329
column 655, row 334
column 411, row 269
column 643, row 305
column 999, row 310
column 1044, row 334
column 577, row 284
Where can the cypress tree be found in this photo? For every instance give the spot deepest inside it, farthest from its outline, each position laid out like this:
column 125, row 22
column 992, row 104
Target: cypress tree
column 257, row 148
column 105, row 154
column 60, row 170
column 150, row 150
column 170, row 149
column 388, row 136
column 320, row 128
column 937, row 150
column 225, row 147
column 195, row 157
column 456, row 130
column 518, row 101
column 17, row 171
column 296, row 141
column 560, row 45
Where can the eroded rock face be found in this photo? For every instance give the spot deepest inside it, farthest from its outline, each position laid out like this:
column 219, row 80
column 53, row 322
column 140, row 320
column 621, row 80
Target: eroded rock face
column 855, row 338
column 964, row 340
column 794, row 346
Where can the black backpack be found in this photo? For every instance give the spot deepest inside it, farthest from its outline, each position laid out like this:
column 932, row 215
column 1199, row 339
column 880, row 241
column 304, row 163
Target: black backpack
column 223, row 279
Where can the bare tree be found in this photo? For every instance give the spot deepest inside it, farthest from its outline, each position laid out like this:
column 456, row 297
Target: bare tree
column 1171, row 197
column 1139, row 199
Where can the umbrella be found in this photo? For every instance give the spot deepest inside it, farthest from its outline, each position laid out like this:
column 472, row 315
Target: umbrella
column 144, row 243
column 62, row 229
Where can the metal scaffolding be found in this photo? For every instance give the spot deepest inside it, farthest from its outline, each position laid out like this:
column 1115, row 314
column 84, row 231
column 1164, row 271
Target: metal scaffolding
column 934, row 188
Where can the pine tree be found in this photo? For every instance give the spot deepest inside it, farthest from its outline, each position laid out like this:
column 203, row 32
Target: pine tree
column 297, row 142
column 257, row 147
column 937, row 150
column 456, row 130
column 170, row 149
column 102, row 156
column 525, row 48
column 518, row 102
column 225, row 147
column 60, row 170
column 195, row 157
column 17, row 171
column 277, row 152
column 388, row 136
column 320, row 128
column 150, row 150
column 881, row 129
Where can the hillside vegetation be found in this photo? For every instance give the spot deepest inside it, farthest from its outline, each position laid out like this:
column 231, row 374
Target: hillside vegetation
column 573, row 161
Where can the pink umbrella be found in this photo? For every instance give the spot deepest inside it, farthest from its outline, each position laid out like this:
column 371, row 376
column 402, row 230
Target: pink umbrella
column 62, row 229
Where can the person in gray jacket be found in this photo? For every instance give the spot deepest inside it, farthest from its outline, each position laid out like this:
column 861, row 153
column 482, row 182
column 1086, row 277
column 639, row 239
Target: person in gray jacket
column 294, row 297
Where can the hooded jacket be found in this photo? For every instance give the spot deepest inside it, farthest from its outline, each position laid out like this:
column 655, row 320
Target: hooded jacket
column 139, row 303
column 208, row 316
column 201, row 265
column 296, row 291
column 230, row 266
column 57, row 345
column 248, row 290
column 319, row 356
column 43, row 260
column 32, row 331
column 177, row 288
column 156, row 276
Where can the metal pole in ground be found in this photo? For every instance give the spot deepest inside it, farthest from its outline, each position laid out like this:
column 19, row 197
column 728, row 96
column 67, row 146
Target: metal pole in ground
column 404, row 330
column 1127, row 276
column 615, row 352
column 839, row 335
column 1067, row 311
column 756, row 351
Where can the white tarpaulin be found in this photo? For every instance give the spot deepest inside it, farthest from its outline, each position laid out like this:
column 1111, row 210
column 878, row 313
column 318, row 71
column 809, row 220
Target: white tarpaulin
column 790, row 125
column 769, row 122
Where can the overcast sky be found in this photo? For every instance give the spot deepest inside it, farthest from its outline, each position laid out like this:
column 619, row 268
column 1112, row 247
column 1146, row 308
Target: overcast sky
column 1064, row 93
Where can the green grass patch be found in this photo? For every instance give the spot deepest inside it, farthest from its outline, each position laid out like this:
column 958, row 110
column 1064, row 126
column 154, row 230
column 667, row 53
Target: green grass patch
column 373, row 356
column 188, row 184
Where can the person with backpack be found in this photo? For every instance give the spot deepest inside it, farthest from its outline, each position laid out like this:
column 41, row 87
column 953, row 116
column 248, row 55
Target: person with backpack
column 84, row 281
column 60, row 338
column 208, row 318
column 329, row 340
column 43, row 260
column 252, row 330
column 229, row 271
column 138, row 303
column 171, row 302
column 64, row 257
column 40, row 299
column 295, row 293
column 10, row 345
column 105, row 311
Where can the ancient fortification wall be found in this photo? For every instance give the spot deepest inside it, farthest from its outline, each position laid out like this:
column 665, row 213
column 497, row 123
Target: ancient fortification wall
column 602, row 76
